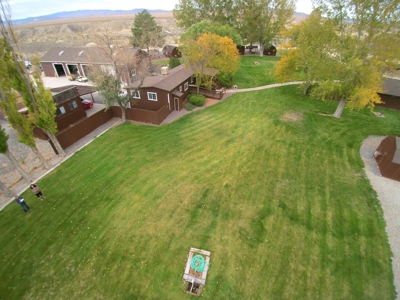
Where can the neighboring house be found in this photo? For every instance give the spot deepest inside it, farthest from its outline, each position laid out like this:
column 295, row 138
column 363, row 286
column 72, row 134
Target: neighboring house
column 391, row 93
column 61, row 61
column 387, row 156
column 69, row 108
column 171, row 50
column 168, row 90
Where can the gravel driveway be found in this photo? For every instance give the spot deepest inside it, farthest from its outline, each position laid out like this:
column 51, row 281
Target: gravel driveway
column 388, row 191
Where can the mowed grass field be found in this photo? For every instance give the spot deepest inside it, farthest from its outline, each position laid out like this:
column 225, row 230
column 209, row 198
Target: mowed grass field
column 271, row 187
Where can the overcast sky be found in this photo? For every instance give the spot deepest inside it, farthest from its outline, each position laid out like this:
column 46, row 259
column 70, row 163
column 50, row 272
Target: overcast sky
column 21, row 9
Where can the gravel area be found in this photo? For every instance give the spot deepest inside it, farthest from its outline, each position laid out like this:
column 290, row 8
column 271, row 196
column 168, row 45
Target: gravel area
column 388, row 191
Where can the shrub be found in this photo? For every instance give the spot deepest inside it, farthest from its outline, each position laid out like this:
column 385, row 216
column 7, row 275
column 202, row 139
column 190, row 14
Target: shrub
column 189, row 106
column 196, row 99
column 174, row 62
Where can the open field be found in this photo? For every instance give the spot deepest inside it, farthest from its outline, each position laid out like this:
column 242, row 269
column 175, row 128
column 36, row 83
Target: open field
column 130, row 17
column 274, row 189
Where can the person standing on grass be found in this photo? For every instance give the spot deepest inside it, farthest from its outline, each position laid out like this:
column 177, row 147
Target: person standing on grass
column 22, row 202
column 35, row 189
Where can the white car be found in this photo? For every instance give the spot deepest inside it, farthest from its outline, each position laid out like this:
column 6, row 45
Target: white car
column 82, row 79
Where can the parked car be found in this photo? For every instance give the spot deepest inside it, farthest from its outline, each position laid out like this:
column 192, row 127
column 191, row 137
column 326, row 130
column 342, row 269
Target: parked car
column 87, row 103
column 71, row 77
column 82, row 79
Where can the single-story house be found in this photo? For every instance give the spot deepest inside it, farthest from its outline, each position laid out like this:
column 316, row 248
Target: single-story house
column 69, row 108
column 387, row 156
column 171, row 50
column 63, row 61
column 159, row 91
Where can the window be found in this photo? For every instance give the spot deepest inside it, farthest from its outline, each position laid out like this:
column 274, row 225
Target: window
column 186, row 86
column 72, row 105
column 152, row 96
column 192, row 79
column 135, row 94
column 180, row 88
column 60, row 111
column 133, row 73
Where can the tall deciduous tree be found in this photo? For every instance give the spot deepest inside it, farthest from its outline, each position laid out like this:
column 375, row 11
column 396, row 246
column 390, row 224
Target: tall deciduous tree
column 146, row 34
column 4, row 149
column 210, row 51
column 264, row 19
column 196, row 30
column 257, row 21
column 39, row 101
column 312, row 42
column 190, row 12
column 8, row 103
column 345, row 47
column 127, row 68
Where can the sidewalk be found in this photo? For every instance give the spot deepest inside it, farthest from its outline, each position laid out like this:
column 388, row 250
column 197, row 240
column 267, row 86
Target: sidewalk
column 31, row 163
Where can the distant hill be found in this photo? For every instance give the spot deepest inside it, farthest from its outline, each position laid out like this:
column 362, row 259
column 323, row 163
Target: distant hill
column 79, row 14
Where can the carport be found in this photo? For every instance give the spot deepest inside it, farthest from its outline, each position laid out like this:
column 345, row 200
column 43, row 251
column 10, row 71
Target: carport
column 82, row 90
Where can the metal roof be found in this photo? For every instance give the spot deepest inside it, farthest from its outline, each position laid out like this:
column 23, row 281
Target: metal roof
column 90, row 55
column 391, row 87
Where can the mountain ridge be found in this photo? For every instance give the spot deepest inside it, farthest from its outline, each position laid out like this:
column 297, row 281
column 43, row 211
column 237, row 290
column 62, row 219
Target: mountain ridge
column 89, row 13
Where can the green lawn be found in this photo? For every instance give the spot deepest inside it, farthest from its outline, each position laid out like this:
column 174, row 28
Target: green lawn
column 252, row 75
column 284, row 208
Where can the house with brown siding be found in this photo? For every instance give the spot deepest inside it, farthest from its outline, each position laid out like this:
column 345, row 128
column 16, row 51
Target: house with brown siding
column 69, row 108
column 169, row 90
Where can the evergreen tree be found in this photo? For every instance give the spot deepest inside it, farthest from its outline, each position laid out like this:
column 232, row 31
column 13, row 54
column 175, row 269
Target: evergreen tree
column 146, row 33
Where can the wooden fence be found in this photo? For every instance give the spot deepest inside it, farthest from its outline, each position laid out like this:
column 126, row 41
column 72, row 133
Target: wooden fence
column 141, row 115
column 80, row 129
column 215, row 94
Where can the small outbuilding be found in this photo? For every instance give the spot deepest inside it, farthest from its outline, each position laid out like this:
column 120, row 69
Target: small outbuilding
column 241, row 49
column 269, row 50
column 171, row 50
column 387, row 156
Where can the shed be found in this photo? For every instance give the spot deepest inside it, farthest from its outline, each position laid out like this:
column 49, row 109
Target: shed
column 171, row 50
column 387, row 156
column 269, row 50
column 241, row 49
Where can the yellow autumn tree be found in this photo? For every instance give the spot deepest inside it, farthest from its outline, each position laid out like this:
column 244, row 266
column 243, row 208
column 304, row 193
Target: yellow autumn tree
column 208, row 55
